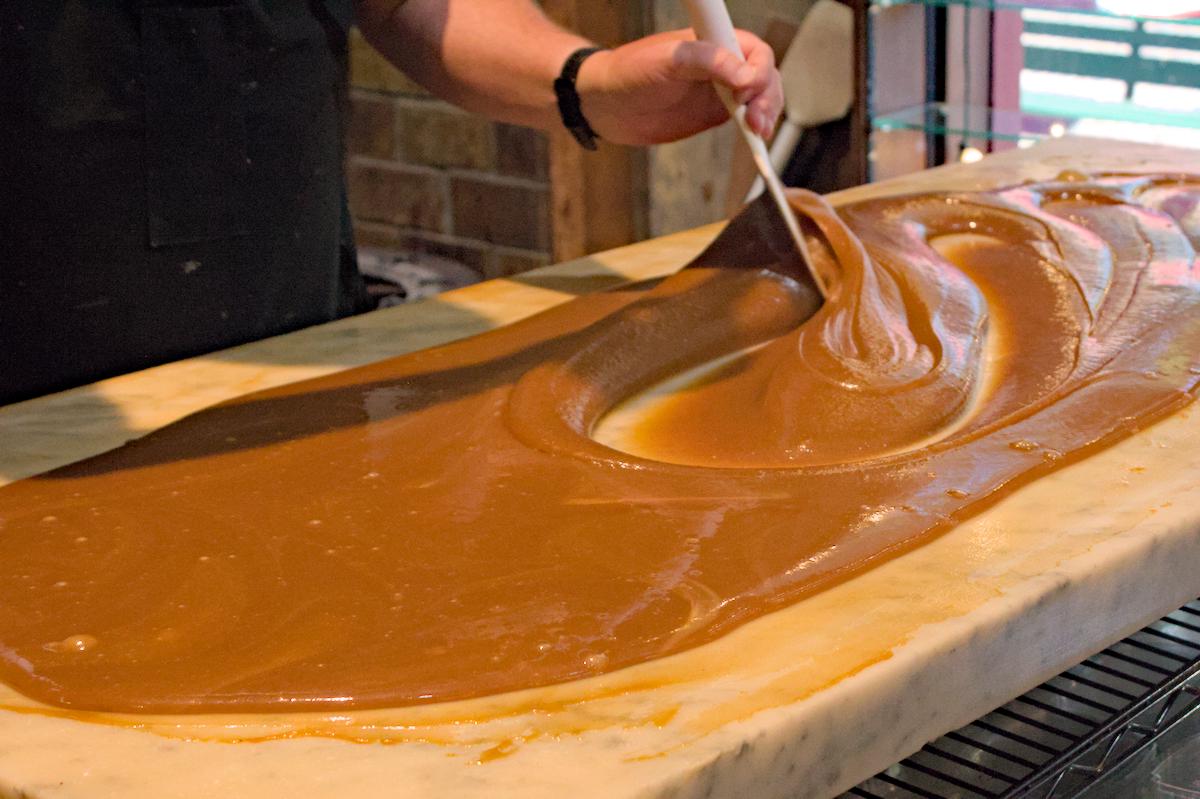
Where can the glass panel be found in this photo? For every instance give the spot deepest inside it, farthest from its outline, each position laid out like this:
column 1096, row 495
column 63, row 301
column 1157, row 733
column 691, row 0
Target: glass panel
column 977, row 122
column 1178, row 12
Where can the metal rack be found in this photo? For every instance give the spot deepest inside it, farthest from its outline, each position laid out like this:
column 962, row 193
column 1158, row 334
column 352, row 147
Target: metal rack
column 1067, row 733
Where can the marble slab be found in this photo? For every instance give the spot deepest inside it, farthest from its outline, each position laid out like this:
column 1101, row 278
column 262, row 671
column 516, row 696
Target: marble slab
column 803, row 702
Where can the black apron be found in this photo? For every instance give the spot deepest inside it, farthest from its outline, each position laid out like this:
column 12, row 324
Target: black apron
column 170, row 182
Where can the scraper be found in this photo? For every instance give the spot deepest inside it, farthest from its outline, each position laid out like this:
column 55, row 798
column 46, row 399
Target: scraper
column 818, row 78
column 710, row 20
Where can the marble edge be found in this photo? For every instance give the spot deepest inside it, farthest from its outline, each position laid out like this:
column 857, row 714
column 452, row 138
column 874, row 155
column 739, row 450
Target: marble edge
column 891, row 709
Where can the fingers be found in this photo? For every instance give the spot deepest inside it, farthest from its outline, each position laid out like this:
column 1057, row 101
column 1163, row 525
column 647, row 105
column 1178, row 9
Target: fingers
column 693, row 60
column 762, row 94
column 755, row 74
column 754, row 82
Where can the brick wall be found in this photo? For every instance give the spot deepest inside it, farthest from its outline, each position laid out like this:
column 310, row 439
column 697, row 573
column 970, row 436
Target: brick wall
column 427, row 177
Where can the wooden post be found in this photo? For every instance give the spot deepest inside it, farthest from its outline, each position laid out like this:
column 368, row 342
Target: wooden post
column 597, row 199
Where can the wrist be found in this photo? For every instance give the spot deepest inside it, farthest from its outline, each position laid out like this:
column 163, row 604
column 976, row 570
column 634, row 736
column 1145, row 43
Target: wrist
column 570, row 104
column 591, row 85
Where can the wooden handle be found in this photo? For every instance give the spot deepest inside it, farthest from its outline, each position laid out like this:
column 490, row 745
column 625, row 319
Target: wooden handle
column 710, row 20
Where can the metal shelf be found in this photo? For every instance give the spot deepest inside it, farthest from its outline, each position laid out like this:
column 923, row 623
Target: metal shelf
column 1067, row 733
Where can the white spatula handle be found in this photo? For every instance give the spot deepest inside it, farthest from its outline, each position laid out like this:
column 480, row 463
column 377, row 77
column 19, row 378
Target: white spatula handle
column 710, row 19
column 711, row 22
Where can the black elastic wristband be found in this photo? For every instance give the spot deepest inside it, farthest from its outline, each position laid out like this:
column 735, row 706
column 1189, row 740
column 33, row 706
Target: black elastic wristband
column 568, row 99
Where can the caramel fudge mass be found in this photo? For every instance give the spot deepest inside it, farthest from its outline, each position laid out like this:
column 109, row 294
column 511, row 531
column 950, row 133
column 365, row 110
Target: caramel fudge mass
column 447, row 524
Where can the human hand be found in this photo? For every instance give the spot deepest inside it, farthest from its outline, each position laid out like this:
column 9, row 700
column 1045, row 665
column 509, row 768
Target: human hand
column 659, row 88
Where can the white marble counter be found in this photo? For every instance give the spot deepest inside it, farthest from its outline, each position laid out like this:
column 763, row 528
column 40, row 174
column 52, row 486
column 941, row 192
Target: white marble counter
column 804, row 702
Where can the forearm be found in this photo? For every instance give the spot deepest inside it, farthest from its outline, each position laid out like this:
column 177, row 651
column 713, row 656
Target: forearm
column 498, row 58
